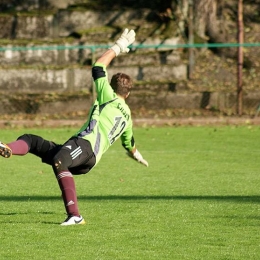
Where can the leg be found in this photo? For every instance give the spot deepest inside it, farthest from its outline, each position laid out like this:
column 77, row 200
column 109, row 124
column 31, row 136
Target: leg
column 29, row 143
column 74, row 154
column 60, row 165
column 36, row 145
column 19, row 147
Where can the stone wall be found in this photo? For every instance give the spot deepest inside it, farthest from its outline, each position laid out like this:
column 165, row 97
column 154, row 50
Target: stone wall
column 160, row 75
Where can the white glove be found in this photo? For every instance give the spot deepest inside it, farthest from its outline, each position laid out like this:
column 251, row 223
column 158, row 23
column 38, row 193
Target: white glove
column 126, row 39
column 137, row 156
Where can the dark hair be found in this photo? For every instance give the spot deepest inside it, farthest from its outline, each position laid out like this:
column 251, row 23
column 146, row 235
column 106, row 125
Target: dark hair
column 121, row 84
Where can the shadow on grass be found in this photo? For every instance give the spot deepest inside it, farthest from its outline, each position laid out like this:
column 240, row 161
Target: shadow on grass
column 25, row 213
column 227, row 198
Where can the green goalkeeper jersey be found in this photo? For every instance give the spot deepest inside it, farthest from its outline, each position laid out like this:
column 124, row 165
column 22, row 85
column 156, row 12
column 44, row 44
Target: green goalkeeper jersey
column 109, row 117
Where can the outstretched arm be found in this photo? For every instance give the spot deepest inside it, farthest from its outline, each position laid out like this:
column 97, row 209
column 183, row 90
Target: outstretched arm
column 121, row 45
column 106, row 57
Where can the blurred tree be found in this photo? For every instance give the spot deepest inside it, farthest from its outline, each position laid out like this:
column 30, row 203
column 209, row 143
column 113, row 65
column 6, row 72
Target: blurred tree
column 206, row 19
column 208, row 22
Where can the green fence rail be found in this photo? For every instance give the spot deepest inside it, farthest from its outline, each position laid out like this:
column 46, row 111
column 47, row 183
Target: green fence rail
column 138, row 46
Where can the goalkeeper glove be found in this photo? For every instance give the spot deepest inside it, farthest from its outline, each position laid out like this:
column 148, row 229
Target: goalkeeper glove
column 126, row 39
column 137, row 156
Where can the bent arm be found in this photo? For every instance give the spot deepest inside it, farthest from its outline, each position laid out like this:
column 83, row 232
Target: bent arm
column 128, row 143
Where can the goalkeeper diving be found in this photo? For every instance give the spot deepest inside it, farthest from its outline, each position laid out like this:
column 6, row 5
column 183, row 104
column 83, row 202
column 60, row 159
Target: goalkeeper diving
column 109, row 119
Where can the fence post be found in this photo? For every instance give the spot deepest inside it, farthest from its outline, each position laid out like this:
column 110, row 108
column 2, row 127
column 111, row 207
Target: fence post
column 240, row 59
column 191, row 39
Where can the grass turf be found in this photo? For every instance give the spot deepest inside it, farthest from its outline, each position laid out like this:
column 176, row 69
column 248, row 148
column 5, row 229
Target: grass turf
column 198, row 199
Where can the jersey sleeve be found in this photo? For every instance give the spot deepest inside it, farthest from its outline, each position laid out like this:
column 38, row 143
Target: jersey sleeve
column 127, row 138
column 103, row 88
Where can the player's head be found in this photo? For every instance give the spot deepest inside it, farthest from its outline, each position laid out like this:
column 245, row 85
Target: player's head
column 121, row 84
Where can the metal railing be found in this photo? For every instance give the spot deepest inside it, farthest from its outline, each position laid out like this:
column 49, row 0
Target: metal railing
column 138, row 46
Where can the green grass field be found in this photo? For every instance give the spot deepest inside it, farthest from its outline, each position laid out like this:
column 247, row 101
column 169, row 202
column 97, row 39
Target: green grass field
column 198, row 199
